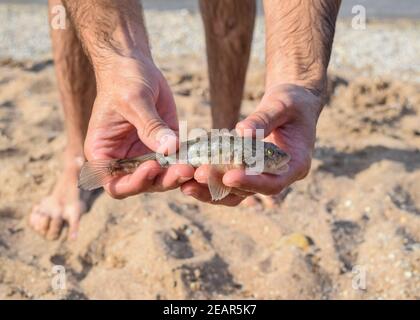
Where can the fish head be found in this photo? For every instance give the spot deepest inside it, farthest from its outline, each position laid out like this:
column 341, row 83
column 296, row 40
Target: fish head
column 275, row 159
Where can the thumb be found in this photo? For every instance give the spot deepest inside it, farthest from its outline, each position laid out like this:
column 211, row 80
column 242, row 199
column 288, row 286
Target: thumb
column 151, row 129
column 267, row 117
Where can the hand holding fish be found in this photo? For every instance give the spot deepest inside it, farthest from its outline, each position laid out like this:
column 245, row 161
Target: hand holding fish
column 288, row 114
column 134, row 112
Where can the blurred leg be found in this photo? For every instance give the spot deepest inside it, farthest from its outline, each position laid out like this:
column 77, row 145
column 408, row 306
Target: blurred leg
column 228, row 27
column 77, row 86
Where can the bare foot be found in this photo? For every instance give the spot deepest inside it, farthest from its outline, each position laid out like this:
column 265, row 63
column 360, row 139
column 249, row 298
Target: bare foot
column 64, row 205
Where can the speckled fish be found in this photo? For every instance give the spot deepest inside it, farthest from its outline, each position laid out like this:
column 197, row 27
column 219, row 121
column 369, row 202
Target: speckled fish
column 221, row 152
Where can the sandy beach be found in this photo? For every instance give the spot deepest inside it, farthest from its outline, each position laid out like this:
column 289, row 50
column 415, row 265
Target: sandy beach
column 358, row 210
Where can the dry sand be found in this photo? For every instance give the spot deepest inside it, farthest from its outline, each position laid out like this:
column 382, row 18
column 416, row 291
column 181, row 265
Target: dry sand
column 358, row 208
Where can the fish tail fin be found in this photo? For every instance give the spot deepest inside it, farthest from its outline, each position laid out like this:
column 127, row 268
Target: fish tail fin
column 94, row 174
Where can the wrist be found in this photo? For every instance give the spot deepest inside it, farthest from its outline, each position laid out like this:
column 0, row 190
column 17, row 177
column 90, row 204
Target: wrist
column 314, row 80
column 106, row 60
column 116, row 67
column 295, row 94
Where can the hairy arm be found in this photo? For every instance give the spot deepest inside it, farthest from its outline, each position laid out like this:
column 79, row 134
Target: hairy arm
column 134, row 112
column 109, row 28
column 299, row 37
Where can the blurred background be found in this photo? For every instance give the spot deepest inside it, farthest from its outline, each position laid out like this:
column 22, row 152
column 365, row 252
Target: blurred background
column 376, row 8
column 356, row 214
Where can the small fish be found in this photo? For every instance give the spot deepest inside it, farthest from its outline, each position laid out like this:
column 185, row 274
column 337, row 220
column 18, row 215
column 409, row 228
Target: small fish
column 222, row 152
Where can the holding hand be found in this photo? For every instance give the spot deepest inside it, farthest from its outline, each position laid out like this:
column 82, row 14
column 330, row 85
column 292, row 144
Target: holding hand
column 288, row 115
column 135, row 114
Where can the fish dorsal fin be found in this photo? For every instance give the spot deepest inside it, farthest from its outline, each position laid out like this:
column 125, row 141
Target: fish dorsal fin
column 218, row 190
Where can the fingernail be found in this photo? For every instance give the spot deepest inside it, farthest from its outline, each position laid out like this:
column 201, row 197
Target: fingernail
column 73, row 236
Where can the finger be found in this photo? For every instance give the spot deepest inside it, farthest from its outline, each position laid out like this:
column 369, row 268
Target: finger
column 263, row 183
column 167, row 101
column 54, row 229
column 242, row 193
column 42, row 224
column 201, row 176
column 151, row 129
column 74, row 221
column 139, row 181
column 202, row 193
column 268, row 116
column 266, row 184
column 33, row 218
column 173, row 177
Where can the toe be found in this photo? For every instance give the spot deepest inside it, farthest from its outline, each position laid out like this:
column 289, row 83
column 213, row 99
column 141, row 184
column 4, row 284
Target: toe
column 72, row 216
column 269, row 202
column 251, row 201
column 42, row 224
column 34, row 216
column 54, row 229
column 262, row 202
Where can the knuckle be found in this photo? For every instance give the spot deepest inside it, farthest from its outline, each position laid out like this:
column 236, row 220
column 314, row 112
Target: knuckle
column 88, row 148
column 261, row 118
column 134, row 97
column 130, row 97
column 152, row 126
column 145, row 93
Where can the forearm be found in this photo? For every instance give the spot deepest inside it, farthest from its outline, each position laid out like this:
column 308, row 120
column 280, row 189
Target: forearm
column 299, row 37
column 109, row 28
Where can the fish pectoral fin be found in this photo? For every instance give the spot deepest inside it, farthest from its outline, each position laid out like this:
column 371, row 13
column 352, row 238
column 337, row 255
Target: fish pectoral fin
column 95, row 174
column 217, row 189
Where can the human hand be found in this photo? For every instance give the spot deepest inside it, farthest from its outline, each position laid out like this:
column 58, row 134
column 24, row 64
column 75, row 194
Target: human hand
column 288, row 114
column 134, row 114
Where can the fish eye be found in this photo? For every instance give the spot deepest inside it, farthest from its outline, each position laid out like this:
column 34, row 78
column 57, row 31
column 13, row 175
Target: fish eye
column 270, row 152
